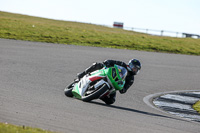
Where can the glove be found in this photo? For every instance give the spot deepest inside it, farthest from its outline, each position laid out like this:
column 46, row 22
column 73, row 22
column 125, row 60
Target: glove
column 122, row 91
column 106, row 64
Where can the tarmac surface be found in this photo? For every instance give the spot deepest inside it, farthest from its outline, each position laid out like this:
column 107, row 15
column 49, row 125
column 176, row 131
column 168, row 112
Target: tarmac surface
column 33, row 76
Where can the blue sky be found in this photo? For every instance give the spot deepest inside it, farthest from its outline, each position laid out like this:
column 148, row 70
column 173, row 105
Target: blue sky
column 170, row 15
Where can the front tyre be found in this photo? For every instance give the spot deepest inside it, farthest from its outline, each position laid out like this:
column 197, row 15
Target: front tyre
column 95, row 94
column 68, row 92
column 68, row 89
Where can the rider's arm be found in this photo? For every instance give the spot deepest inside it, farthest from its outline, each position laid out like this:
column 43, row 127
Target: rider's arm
column 111, row 63
column 129, row 82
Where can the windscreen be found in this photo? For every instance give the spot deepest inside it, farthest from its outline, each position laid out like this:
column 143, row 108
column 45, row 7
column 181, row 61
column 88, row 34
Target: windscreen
column 122, row 71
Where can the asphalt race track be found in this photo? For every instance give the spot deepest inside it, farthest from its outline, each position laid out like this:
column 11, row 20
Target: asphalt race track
column 33, row 76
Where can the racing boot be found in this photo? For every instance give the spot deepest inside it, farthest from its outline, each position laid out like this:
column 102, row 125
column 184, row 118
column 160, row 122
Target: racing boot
column 109, row 99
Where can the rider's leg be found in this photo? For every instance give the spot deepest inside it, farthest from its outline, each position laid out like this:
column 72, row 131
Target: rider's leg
column 94, row 67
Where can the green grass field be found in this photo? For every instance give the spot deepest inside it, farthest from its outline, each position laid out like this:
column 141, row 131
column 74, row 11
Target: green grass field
column 8, row 128
column 22, row 27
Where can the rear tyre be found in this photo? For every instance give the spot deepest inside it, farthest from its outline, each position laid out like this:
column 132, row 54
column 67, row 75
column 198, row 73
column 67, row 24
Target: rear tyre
column 95, row 94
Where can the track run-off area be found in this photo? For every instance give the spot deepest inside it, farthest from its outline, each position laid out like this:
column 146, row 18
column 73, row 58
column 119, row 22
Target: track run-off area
column 33, row 76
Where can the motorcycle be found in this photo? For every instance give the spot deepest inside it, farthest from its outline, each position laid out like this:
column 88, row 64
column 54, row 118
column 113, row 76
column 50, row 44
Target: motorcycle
column 98, row 84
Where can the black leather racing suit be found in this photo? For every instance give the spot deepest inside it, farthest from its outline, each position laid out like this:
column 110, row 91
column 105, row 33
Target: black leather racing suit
column 110, row 63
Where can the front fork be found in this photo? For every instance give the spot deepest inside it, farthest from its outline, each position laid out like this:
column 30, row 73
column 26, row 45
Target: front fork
column 107, row 93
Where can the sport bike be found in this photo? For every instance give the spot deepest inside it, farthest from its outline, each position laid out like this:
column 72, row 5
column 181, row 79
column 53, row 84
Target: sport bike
column 98, row 84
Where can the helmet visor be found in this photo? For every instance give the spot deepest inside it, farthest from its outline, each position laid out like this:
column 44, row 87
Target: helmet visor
column 134, row 68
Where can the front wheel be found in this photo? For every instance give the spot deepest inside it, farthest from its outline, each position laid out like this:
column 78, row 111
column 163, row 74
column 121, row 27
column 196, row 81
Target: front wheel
column 68, row 92
column 68, row 89
column 95, row 94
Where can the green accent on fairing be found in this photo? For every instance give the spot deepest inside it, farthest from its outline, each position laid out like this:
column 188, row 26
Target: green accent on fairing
column 116, row 84
column 76, row 92
column 109, row 73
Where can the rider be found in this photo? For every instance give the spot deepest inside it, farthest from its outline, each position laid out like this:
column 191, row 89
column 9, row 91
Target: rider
column 133, row 68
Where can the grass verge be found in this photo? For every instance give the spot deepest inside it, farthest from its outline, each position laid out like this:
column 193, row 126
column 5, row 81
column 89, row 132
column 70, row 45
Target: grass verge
column 8, row 128
column 22, row 27
column 196, row 106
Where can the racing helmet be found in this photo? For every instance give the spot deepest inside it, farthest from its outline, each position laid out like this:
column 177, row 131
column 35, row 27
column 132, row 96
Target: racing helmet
column 134, row 66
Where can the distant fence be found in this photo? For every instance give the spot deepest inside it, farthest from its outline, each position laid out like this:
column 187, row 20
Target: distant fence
column 161, row 32
column 156, row 32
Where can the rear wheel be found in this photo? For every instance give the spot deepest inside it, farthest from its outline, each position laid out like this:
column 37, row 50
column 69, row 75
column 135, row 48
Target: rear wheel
column 94, row 94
